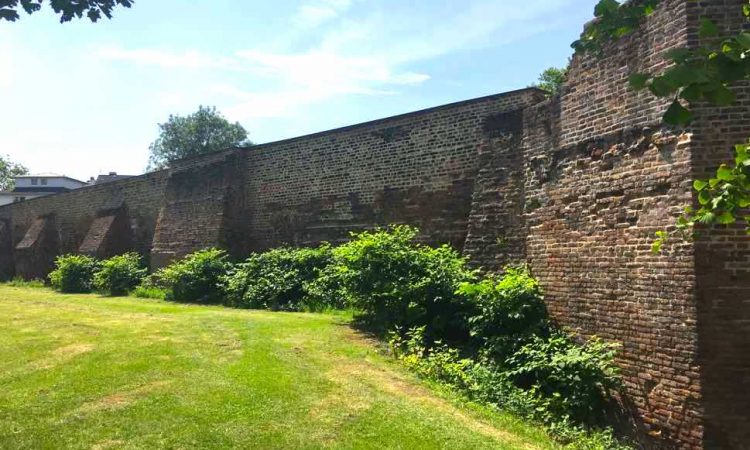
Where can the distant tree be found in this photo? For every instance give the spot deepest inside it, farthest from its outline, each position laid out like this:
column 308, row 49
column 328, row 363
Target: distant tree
column 68, row 9
column 204, row 131
column 551, row 80
column 8, row 170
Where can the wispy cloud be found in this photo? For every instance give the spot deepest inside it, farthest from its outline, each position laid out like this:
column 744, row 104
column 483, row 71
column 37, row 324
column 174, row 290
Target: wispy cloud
column 314, row 14
column 371, row 54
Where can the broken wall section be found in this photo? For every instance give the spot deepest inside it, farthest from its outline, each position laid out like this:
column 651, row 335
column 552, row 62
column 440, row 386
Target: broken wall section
column 203, row 207
column 496, row 234
column 110, row 234
column 35, row 253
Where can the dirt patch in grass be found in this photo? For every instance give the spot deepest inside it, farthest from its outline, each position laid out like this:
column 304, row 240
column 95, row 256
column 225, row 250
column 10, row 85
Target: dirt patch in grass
column 61, row 355
column 121, row 399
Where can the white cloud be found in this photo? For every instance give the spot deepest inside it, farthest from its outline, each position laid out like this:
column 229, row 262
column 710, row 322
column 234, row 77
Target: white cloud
column 367, row 55
column 313, row 15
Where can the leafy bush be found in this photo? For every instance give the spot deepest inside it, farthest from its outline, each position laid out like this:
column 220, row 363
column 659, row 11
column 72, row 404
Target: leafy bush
column 485, row 381
column 567, row 379
column 277, row 279
column 195, row 278
column 73, row 273
column 396, row 282
column 119, row 275
column 509, row 311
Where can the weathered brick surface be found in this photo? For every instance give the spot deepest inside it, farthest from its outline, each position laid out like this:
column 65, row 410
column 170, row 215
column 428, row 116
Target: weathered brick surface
column 199, row 207
column 601, row 177
column 722, row 262
column 75, row 211
column 496, row 233
column 576, row 186
column 34, row 255
column 418, row 168
column 109, row 234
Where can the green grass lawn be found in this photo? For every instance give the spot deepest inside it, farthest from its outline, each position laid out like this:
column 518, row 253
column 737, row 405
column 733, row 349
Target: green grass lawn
column 82, row 371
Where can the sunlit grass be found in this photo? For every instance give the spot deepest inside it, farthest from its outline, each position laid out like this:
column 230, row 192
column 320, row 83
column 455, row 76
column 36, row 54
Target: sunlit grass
column 83, row 371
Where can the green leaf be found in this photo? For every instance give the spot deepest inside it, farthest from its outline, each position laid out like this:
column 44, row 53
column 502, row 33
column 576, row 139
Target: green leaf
column 708, row 29
column 699, row 185
column 678, row 114
column 704, row 197
column 744, row 39
column 663, row 86
column 638, row 80
column 656, row 247
column 725, row 173
column 721, row 96
column 726, row 218
column 679, row 54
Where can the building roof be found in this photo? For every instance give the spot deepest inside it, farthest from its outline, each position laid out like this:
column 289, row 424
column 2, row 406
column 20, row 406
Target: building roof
column 48, row 175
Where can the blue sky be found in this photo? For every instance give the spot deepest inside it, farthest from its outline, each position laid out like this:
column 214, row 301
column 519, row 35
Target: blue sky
column 82, row 98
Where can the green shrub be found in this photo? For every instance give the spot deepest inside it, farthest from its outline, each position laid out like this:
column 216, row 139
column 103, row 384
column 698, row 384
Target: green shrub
column 484, row 381
column 509, row 311
column 567, row 379
column 195, row 278
column 73, row 273
column 119, row 275
column 278, row 279
column 396, row 282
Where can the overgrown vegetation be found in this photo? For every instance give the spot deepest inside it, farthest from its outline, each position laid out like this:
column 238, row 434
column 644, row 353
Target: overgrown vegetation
column 395, row 282
column 487, row 337
column 195, row 278
column 73, row 273
column 119, row 275
column 278, row 280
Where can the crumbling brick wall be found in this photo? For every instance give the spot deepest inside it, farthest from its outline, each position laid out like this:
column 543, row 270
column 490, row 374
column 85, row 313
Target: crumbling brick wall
column 201, row 208
column 603, row 174
column 418, row 168
column 722, row 260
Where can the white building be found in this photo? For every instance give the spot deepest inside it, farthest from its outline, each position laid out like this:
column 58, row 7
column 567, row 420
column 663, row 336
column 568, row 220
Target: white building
column 38, row 185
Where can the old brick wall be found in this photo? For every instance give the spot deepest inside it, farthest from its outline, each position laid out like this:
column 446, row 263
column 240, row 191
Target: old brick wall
column 203, row 206
column 76, row 211
column 417, row 168
column 602, row 176
column 496, row 233
column 576, row 186
column 722, row 257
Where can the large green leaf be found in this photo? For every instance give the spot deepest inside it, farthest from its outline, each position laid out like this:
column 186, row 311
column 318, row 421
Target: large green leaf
column 708, row 28
column 678, row 114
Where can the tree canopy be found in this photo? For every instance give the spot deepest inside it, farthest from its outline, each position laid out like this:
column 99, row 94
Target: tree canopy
column 551, row 80
column 8, row 170
column 67, row 9
column 204, row 131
